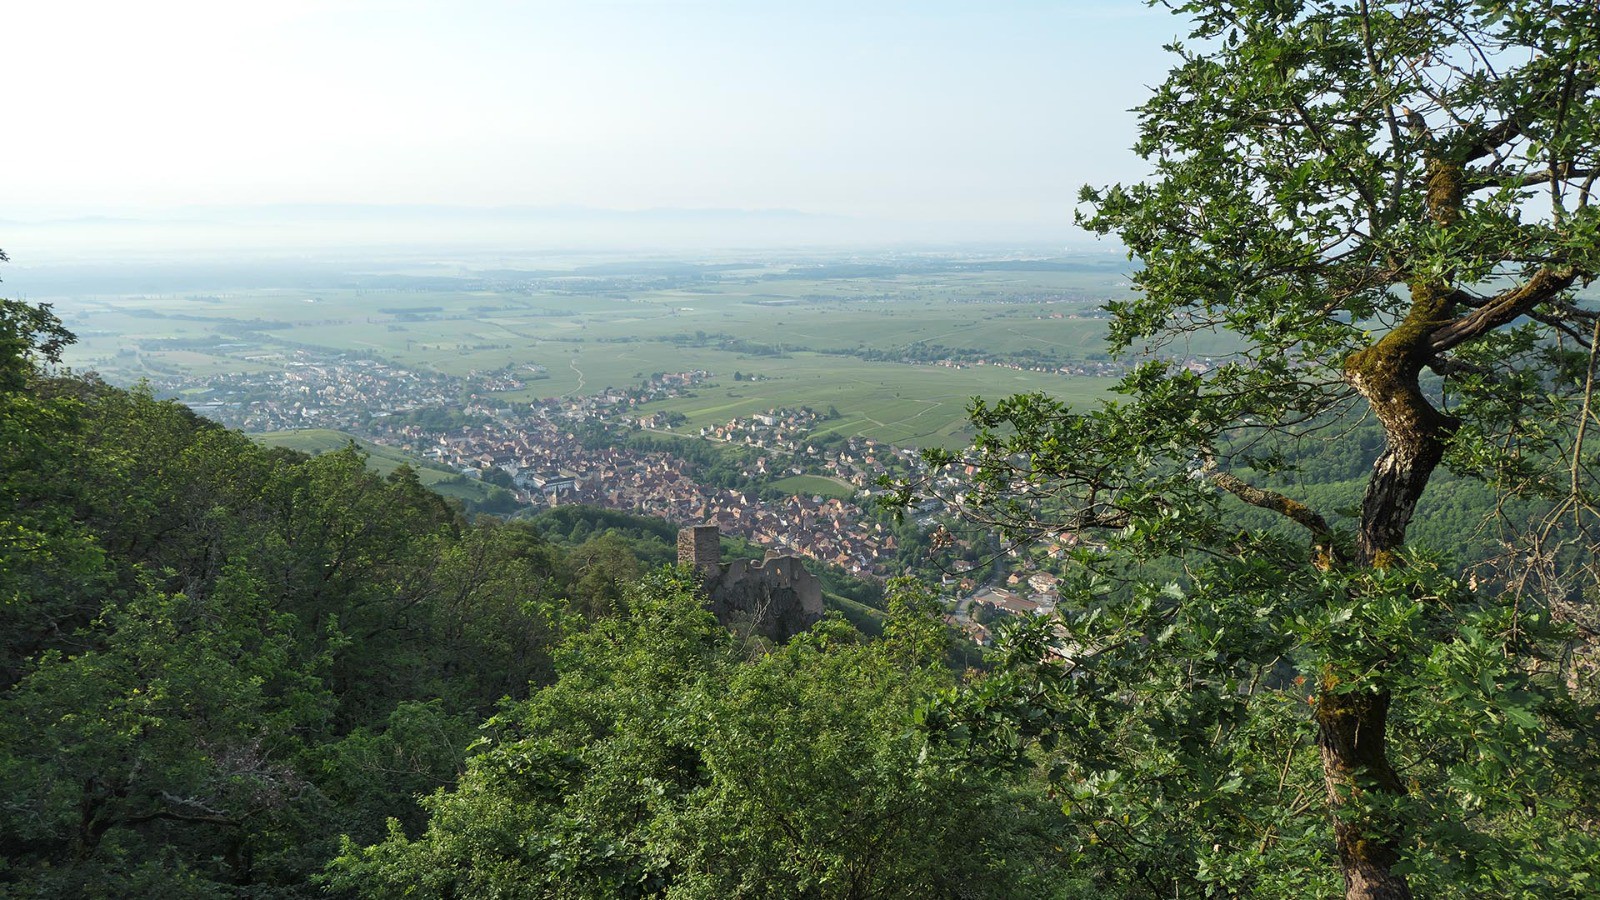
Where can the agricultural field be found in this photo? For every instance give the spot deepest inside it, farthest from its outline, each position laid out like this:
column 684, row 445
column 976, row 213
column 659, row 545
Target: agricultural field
column 861, row 338
column 380, row 459
column 906, row 405
column 815, row 485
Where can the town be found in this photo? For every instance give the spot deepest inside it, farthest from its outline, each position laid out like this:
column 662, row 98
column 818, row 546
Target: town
column 547, row 454
column 540, row 447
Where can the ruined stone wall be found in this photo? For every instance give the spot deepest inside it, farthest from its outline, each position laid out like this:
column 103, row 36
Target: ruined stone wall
column 776, row 597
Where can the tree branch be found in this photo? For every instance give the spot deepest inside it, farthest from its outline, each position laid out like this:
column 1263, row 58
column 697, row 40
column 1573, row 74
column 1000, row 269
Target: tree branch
column 1290, row 508
column 1560, row 324
column 1274, row 501
column 1482, row 179
column 1502, row 309
column 1493, row 139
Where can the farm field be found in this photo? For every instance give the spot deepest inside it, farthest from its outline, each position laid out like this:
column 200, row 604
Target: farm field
column 906, row 405
column 770, row 335
column 380, row 459
column 814, row 485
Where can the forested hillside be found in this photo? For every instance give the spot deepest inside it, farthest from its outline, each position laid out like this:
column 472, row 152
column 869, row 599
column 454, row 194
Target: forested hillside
column 219, row 657
column 226, row 665
column 238, row 671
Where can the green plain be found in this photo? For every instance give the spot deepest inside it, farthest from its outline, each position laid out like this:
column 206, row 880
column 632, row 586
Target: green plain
column 811, row 485
column 802, row 338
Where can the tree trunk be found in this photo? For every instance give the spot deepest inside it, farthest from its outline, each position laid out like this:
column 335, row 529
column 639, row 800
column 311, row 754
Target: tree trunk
column 91, row 826
column 1352, row 734
column 1353, row 719
column 1399, row 476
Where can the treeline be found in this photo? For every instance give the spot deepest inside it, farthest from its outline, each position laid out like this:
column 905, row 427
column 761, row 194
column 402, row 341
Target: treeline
column 721, row 340
column 926, row 352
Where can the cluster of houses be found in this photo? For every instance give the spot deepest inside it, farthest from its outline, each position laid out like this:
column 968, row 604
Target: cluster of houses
column 781, row 429
column 826, row 529
column 306, row 390
column 355, row 394
column 611, row 404
column 1090, row 368
column 1024, row 595
column 549, row 465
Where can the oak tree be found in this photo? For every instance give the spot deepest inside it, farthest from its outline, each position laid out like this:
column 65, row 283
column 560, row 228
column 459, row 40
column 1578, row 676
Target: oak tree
column 1386, row 210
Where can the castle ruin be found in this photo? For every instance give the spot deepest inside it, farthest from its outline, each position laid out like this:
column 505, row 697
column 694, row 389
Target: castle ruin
column 775, row 597
column 700, row 548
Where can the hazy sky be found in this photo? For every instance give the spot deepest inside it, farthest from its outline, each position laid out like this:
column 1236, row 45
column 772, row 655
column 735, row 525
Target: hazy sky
column 986, row 112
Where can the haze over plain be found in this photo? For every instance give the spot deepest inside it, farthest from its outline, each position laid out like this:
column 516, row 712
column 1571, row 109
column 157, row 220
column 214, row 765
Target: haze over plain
column 188, row 127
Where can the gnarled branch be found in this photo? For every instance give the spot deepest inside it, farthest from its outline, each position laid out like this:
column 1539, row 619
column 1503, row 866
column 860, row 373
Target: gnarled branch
column 1285, row 506
column 1502, row 309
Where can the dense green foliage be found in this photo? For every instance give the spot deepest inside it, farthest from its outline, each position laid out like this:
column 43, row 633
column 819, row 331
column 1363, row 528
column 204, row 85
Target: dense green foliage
column 231, row 671
column 217, row 657
column 1181, row 730
column 1388, row 206
column 667, row 762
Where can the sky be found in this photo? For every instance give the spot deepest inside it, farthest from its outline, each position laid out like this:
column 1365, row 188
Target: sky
column 966, row 119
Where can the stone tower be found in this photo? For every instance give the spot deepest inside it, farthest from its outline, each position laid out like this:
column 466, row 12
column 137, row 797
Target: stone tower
column 700, row 547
